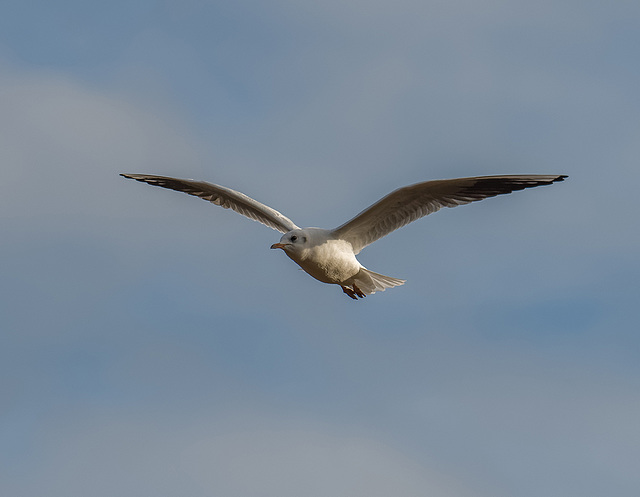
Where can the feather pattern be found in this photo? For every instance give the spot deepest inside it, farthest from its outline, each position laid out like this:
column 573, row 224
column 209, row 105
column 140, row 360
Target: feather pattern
column 412, row 202
column 224, row 197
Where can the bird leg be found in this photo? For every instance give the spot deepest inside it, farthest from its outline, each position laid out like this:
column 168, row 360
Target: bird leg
column 353, row 293
column 349, row 292
column 358, row 292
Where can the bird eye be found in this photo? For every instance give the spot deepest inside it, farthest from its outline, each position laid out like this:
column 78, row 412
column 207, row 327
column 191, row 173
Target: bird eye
column 294, row 238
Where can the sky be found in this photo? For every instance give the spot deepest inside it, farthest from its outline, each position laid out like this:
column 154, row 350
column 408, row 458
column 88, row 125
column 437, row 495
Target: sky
column 153, row 345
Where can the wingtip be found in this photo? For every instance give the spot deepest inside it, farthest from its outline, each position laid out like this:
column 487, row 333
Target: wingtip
column 137, row 177
column 561, row 178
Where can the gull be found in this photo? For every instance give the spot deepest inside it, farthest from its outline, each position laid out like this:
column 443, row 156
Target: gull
column 330, row 255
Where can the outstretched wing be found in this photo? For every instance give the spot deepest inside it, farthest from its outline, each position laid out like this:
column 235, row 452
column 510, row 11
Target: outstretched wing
column 224, row 197
column 412, row 202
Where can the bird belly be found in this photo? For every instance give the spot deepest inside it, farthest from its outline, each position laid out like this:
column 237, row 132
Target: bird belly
column 330, row 262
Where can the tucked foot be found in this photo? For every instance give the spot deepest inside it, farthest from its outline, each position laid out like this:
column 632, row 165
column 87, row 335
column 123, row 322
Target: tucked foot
column 349, row 292
column 358, row 292
column 353, row 293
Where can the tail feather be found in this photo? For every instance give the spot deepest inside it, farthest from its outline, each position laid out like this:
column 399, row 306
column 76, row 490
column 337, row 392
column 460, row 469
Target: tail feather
column 370, row 282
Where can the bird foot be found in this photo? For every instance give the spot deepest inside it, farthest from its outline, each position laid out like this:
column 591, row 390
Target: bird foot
column 354, row 292
column 349, row 292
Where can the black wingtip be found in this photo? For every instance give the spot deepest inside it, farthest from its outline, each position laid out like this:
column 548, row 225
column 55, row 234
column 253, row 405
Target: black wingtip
column 561, row 178
column 137, row 177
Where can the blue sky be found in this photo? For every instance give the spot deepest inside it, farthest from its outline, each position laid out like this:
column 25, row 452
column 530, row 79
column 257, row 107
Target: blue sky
column 153, row 345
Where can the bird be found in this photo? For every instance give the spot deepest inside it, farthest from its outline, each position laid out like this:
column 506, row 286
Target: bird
column 329, row 255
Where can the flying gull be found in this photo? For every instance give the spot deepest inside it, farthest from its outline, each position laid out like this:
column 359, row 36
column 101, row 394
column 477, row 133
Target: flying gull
column 330, row 255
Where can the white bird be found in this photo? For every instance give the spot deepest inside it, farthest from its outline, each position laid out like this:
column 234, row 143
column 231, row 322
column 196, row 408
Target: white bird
column 330, row 255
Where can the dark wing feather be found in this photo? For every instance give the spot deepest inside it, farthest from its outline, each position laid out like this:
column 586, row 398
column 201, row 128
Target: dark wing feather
column 222, row 196
column 412, row 202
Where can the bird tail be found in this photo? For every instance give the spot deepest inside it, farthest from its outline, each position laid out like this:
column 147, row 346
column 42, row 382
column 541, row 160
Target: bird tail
column 370, row 282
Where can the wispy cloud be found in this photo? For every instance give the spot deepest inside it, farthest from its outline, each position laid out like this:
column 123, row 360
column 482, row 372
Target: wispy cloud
column 153, row 345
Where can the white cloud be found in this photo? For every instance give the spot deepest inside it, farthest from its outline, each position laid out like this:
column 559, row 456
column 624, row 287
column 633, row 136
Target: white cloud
column 456, row 370
column 63, row 144
column 111, row 452
column 289, row 462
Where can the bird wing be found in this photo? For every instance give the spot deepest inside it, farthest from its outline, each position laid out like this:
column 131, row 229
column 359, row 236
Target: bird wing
column 224, row 197
column 412, row 202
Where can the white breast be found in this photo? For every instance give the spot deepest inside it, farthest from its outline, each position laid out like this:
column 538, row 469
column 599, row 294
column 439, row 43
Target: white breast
column 331, row 261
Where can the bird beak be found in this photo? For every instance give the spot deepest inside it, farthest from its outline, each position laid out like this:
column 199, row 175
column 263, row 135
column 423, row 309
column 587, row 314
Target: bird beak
column 278, row 245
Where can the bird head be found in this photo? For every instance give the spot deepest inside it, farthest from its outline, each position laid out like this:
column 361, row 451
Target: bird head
column 293, row 242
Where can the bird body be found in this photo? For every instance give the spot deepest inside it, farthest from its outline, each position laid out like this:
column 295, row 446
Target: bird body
column 332, row 260
column 322, row 256
column 330, row 255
